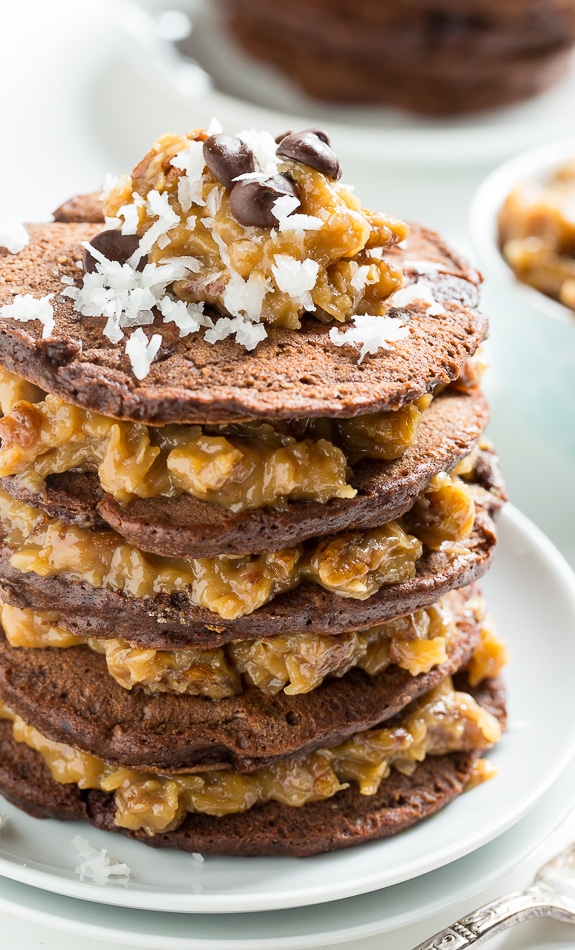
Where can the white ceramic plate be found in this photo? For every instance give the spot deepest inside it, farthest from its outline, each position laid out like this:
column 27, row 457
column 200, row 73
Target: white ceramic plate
column 531, row 593
column 320, row 926
column 246, row 93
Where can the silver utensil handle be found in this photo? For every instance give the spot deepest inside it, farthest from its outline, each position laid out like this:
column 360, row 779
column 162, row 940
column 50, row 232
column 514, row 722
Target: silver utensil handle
column 495, row 917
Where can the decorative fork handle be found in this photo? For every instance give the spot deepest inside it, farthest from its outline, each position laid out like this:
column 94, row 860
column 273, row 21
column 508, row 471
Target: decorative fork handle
column 499, row 915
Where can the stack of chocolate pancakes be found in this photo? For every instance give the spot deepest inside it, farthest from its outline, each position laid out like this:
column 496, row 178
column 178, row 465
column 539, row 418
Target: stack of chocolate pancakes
column 239, row 588
column 434, row 57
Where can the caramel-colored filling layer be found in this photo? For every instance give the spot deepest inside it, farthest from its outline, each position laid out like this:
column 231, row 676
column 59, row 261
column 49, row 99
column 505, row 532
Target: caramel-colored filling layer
column 349, row 279
column 295, row 663
column 351, row 564
column 490, row 656
column 239, row 466
column 537, row 234
column 443, row 721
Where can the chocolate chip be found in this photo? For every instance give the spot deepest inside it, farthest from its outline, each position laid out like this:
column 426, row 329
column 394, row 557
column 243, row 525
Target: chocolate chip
column 251, row 202
column 115, row 246
column 227, row 157
column 311, row 147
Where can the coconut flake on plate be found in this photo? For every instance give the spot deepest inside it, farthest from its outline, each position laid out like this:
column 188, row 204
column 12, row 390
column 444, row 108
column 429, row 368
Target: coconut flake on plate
column 99, row 867
column 141, row 351
column 4, row 819
column 373, row 333
column 14, row 237
column 419, row 293
column 26, row 307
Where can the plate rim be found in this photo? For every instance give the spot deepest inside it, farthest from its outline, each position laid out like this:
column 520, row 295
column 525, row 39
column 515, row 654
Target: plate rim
column 548, row 814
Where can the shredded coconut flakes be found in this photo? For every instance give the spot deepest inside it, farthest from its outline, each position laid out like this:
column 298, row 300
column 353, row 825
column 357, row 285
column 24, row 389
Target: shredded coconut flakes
column 373, row 333
column 419, row 293
column 141, row 351
column 187, row 317
column 296, row 278
column 215, row 126
column 423, row 267
column 191, row 160
column 130, row 298
column 361, row 278
column 282, row 209
column 14, row 237
column 264, row 146
column 26, row 307
column 131, row 216
column 99, row 866
column 245, row 297
column 158, row 206
column 121, row 293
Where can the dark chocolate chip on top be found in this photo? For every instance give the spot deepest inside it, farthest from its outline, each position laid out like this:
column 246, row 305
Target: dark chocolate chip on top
column 251, row 202
column 227, row 157
column 311, row 147
column 115, row 246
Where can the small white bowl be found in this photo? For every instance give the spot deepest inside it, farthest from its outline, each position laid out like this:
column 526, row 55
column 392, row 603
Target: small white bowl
column 532, row 336
column 535, row 165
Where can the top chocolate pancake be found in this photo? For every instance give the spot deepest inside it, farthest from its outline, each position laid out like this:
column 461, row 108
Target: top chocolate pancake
column 290, row 373
column 347, row 819
column 185, row 526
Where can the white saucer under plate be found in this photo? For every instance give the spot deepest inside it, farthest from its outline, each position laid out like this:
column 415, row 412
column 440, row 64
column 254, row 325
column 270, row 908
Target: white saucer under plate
column 323, row 925
column 531, row 593
column 245, row 93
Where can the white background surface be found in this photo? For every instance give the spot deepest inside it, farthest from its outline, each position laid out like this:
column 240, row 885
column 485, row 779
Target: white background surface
column 72, row 109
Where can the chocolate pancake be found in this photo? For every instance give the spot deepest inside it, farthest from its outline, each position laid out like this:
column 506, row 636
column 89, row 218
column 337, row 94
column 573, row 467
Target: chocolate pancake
column 434, row 57
column 289, row 374
column 81, row 209
column 271, row 829
column 69, row 697
column 185, row 526
column 165, row 621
